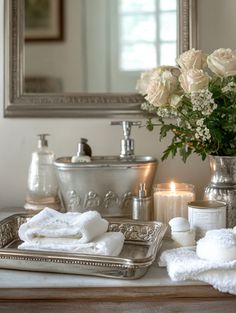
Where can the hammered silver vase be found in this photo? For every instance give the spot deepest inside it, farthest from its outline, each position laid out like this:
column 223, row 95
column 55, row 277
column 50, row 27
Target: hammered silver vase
column 222, row 186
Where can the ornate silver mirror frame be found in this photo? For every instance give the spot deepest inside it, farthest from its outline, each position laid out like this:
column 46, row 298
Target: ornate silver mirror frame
column 20, row 104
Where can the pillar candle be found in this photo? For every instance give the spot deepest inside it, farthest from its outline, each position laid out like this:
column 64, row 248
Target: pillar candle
column 171, row 200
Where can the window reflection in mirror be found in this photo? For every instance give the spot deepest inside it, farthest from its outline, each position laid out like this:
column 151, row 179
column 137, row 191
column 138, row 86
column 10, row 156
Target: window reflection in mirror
column 147, row 28
column 96, row 45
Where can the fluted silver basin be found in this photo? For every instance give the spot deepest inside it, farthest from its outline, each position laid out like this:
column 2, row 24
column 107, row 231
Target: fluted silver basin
column 106, row 184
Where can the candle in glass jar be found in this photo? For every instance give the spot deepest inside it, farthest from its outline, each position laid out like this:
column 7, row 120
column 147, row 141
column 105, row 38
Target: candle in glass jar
column 171, row 200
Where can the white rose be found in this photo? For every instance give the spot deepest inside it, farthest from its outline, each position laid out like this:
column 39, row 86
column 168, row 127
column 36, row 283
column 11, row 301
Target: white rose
column 166, row 68
column 193, row 80
column 157, row 93
column 143, row 82
column 160, row 73
column 222, row 62
column 192, row 59
column 170, row 81
column 174, row 100
column 161, row 86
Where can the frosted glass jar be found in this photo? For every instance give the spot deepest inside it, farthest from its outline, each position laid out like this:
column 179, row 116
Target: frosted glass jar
column 171, row 200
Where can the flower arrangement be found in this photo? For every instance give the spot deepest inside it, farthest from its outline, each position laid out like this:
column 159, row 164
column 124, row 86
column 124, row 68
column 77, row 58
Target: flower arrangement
column 195, row 101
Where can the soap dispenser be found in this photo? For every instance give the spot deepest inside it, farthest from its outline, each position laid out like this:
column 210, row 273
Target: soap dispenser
column 141, row 209
column 84, row 152
column 42, row 187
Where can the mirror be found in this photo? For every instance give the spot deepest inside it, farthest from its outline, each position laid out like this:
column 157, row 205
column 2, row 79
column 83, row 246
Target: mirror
column 82, row 58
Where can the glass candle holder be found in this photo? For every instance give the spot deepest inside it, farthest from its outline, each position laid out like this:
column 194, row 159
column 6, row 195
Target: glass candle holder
column 171, row 200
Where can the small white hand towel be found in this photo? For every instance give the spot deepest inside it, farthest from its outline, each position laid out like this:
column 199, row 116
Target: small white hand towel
column 63, row 227
column 183, row 263
column 110, row 243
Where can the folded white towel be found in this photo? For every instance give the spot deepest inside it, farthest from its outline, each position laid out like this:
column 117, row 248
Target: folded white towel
column 63, row 227
column 183, row 263
column 110, row 243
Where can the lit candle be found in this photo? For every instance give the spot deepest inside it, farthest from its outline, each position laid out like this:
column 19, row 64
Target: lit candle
column 171, row 200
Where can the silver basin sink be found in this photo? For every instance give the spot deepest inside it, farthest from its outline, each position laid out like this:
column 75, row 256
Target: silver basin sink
column 106, row 184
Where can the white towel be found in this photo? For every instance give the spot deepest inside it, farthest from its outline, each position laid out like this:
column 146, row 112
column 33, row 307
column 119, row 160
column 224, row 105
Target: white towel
column 183, row 264
column 110, row 243
column 64, row 228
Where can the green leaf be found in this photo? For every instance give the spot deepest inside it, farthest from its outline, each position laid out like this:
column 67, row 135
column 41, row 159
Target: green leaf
column 149, row 125
column 166, row 153
column 164, row 130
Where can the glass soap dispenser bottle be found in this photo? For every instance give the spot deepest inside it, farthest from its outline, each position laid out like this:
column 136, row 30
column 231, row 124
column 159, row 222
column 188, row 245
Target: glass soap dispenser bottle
column 42, row 187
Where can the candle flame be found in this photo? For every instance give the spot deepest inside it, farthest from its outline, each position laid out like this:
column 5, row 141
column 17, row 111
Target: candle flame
column 172, row 187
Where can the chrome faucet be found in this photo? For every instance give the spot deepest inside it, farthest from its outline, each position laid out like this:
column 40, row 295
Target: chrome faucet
column 127, row 144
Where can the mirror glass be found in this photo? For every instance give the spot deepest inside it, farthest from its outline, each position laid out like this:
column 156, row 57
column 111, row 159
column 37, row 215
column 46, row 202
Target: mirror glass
column 82, row 58
column 96, row 45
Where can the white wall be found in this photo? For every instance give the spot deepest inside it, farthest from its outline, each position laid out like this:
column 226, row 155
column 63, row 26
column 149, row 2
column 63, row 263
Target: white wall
column 18, row 136
column 217, row 24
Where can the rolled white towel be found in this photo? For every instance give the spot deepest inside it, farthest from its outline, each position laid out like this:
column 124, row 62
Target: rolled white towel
column 110, row 244
column 218, row 245
column 63, row 227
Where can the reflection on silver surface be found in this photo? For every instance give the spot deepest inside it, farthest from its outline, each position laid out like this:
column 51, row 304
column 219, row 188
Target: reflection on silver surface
column 142, row 241
column 105, row 184
column 222, row 186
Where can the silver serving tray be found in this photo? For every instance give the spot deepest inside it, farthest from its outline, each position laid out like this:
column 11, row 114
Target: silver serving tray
column 142, row 241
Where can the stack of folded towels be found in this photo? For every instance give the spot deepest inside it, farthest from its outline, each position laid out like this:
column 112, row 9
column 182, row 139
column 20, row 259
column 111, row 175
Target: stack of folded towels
column 213, row 260
column 70, row 232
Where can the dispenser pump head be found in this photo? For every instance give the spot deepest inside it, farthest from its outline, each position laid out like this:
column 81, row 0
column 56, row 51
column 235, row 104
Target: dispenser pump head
column 84, row 148
column 127, row 144
column 42, row 142
column 142, row 193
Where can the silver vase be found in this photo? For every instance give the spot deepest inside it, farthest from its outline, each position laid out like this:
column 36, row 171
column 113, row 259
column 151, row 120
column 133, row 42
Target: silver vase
column 222, row 186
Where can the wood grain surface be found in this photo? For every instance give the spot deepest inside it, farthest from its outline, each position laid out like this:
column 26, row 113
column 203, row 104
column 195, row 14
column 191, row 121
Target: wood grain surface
column 167, row 299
